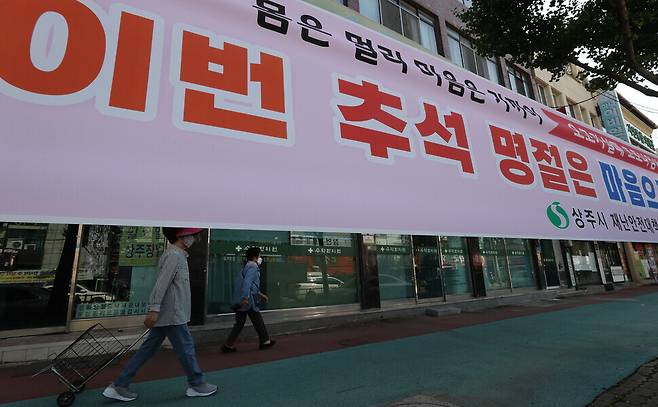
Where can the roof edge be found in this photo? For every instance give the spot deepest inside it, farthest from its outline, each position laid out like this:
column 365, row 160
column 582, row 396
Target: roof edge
column 630, row 106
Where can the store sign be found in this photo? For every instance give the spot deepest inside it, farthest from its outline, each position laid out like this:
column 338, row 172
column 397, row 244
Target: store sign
column 639, row 136
column 611, row 115
column 452, row 251
column 388, row 249
column 279, row 115
column 239, row 248
column 26, row 276
column 110, row 309
column 140, row 246
column 618, row 275
column 418, row 250
column 492, row 252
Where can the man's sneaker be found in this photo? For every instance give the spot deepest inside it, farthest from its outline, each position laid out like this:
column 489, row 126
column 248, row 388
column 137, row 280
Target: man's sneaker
column 267, row 345
column 201, row 390
column 119, row 393
column 228, row 349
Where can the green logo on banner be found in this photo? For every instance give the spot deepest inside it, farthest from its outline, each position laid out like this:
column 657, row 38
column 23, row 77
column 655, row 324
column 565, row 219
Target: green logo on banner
column 557, row 215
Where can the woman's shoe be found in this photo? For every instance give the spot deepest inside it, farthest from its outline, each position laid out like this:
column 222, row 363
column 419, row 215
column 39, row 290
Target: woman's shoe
column 267, row 345
column 228, row 349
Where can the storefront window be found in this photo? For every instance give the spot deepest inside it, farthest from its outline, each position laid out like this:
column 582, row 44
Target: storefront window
column 300, row 269
column 395, row 266
column 117, row 269
column 496, row 276
column 456, row 271
column 520, row 263
column 36, row 262
column 428, row 271
column 584, row 263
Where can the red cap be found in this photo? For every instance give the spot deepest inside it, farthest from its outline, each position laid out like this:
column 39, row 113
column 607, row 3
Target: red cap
column 188, row 231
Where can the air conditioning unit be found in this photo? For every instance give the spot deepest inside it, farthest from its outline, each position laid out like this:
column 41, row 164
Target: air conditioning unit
column 16, row 244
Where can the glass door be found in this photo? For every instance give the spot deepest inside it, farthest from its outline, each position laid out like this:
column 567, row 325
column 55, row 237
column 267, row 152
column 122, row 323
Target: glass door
column 429, row 281
column 549, row 263
column 456, row 270
column 395, row 266
column 519, row 259
column 495, row 268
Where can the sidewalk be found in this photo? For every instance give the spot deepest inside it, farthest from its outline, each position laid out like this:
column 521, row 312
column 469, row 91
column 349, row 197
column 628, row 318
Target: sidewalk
column 21, row 350
column 639, row 389
column 549, row 353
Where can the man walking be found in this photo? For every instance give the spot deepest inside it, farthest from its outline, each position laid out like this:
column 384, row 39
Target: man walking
column 169, row 312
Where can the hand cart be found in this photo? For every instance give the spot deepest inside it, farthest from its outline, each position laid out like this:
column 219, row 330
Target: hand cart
column 85, row 358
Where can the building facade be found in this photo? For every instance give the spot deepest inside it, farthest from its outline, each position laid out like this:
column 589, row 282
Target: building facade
column 638, row 126
column 57, row 276
column 568, row 95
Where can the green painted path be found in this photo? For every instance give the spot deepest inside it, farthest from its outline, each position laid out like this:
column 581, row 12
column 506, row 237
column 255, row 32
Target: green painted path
column 562, row 358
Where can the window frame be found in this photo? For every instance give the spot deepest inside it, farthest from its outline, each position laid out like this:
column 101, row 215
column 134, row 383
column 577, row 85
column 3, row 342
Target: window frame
column 543, row 99
column 423, row 17
column 525, row 79
column 593, row 119
column 571, row 108
column 463, row 42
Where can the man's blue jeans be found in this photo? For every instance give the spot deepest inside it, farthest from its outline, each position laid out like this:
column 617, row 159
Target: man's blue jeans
column 180, row 338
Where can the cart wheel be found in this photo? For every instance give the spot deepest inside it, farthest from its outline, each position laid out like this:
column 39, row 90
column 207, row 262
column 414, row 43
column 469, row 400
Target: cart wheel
column 65, row 399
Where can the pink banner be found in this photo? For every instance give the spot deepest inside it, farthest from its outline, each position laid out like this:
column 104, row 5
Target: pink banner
column 281, row 115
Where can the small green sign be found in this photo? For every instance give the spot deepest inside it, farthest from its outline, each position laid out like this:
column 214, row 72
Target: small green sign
column 426, row 250
column 452, row 251
column 269, row 249
column 140, row 246
column 399, row 250
column 492, row 252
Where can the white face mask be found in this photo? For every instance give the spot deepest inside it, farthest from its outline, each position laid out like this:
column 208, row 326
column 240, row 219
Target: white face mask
column 188, row 241
column 259, row 261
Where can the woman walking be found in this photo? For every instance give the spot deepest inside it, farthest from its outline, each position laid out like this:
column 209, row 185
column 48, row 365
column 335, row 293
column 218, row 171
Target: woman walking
column 246, row 300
